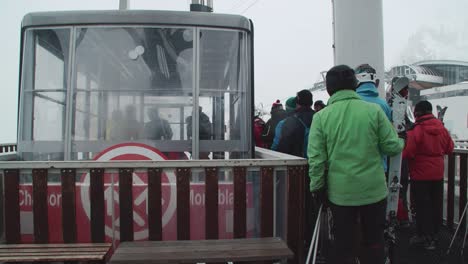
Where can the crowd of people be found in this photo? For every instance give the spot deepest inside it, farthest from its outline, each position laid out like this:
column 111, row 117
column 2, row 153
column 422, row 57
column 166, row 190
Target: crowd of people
column 346, row 143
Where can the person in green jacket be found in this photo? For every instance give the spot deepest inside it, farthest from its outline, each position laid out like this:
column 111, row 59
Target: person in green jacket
column 346, row 139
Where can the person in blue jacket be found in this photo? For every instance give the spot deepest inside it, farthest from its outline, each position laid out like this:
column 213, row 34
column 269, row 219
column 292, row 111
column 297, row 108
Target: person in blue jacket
column 367, row 90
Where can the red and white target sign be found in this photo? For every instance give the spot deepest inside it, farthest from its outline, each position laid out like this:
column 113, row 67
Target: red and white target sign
column 131, row 151
column 135, row 151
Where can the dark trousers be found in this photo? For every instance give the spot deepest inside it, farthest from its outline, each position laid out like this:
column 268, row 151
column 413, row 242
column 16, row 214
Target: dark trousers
column 370, row 228
column 428, row 199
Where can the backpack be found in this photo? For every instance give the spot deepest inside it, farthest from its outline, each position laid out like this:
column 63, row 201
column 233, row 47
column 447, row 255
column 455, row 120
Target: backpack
column 306, row 137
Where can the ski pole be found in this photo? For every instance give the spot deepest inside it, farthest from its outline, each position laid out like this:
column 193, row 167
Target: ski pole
column 464, row 241
column 458, row 227
column 317, row 239
column 312, row 241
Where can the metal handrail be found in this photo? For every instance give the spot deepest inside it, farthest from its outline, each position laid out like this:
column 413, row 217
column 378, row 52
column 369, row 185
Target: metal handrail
column 265, row 157
column 8, row 148
column 460, row 150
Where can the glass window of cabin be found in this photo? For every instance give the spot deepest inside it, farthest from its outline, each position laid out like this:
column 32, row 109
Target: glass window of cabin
column 223, row 94
column 43, row 93
column 132, row 84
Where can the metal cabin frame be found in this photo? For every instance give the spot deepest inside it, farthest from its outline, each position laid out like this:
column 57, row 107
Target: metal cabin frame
column 133, row 18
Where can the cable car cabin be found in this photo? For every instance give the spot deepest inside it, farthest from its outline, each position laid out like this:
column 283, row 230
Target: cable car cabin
column 179, row 82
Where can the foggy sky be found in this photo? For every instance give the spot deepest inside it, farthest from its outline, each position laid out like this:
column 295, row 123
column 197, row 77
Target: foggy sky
column 293, row 39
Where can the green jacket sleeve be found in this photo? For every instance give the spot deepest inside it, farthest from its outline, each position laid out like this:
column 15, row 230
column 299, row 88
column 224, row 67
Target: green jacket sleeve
column 389, row 142
column 317, row 154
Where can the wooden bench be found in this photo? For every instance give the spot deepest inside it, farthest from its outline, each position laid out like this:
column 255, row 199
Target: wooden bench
column 90, row 252
column 190, row 251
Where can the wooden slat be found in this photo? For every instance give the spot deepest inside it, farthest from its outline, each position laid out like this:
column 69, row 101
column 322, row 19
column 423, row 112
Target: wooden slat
column 207, row 243
column 48, row 246
column 68, row 205
column 295, row 195
column 12, row 209
column 240, row 206
column 125, row 202
column 463, row 187
column 154, row 204
column 194, row 246
column 201, row 251
column 450, row 190
column 40, row 208
column 50, row 250
column 183, row 203
column 219, row 256
column 55, row 258
column 211, row 203
column 51, row 255
column 54, row 252
column 97, row 205
column 266, row 202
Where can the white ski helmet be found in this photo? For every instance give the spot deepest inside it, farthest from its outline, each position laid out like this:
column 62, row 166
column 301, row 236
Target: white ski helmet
column 365, row 73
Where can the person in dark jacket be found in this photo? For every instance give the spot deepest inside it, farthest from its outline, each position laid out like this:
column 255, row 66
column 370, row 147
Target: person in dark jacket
column 294, row 127
column 157, row 128
column 204, row 129
column 319, row 105
column 290, row 110
column 292, row 141
column 277, row 114
column 426, row 145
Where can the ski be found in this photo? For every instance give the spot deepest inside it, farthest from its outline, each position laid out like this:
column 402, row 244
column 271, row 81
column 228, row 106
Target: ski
column 399, row 109
column 441, row 112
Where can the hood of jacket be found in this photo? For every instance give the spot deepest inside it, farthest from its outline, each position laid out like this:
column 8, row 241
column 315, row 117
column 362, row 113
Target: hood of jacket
column 343, row 95
column 368, row 89
column 432, row 126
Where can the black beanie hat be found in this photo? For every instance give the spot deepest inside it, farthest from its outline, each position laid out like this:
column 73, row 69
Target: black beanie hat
column 304, row 98
column 422, row 108
column 340, row 77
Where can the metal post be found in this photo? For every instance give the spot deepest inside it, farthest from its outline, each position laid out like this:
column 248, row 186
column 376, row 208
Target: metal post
column 2, row 210
column 70, row 104
column 123, row 4
column 358, row 35
column 195, row 95
column 201, row 6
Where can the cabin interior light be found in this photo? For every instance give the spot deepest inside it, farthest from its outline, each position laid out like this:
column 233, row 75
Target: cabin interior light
column 134, row 53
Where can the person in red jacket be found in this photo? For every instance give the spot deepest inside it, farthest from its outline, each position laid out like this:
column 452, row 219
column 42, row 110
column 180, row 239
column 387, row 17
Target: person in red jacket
column 258, row 126
column 426, row 144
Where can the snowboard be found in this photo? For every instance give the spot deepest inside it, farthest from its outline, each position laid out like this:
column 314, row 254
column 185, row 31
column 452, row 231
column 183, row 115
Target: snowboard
column 399, row 104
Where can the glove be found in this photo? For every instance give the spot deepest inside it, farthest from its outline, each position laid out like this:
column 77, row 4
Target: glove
column 320, row 197
column 402, row 135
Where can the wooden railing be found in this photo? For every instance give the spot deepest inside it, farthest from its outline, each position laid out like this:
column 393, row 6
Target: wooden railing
column 457, row 175
column 294, row 170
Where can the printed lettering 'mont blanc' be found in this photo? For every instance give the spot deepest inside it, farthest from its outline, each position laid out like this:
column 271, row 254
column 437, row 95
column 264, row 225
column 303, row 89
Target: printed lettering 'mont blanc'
column 225, row 197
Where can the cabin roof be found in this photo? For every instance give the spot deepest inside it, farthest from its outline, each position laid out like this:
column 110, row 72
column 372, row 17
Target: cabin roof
column 136, row 17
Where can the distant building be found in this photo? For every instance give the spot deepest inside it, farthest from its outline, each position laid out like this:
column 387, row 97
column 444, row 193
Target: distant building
column 428, row 74
column 443, row 83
